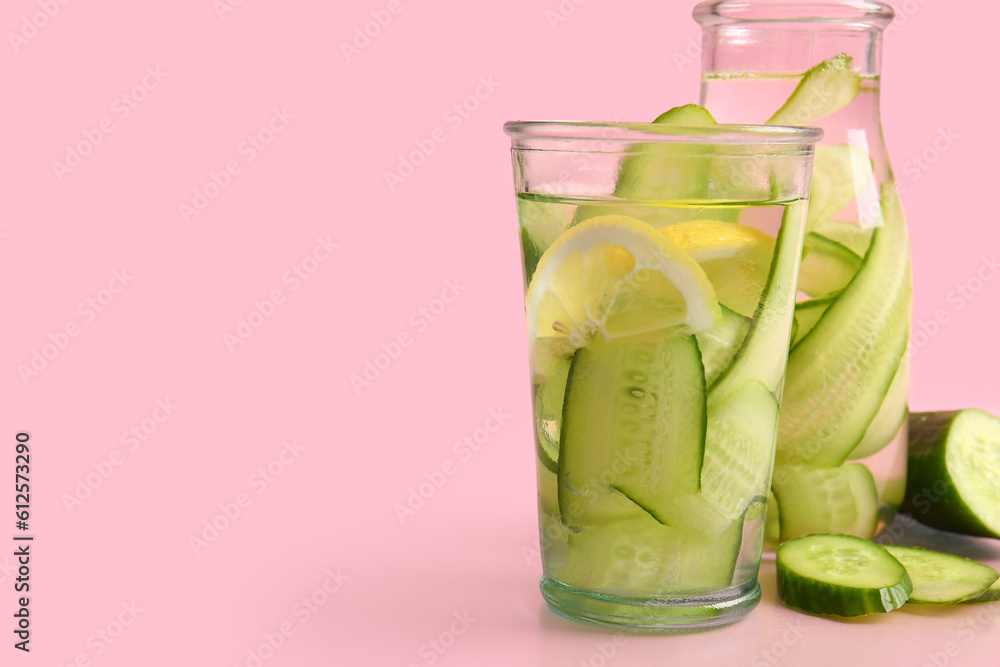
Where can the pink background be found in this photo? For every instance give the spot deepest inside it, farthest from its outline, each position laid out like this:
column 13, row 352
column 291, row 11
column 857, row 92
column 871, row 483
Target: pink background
column 114, row 515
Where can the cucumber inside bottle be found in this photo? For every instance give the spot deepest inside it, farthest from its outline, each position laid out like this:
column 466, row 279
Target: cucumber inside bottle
column 846, row 390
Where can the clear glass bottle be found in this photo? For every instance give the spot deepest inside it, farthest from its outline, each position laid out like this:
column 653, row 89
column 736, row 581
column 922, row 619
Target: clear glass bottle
column 846, row 390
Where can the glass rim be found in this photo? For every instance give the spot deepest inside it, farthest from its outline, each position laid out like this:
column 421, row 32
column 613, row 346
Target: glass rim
column 619, row 132
column 863, row 13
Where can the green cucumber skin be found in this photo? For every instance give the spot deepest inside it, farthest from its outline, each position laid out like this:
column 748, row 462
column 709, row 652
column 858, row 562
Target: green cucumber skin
column 836, row 602
column 932, row 497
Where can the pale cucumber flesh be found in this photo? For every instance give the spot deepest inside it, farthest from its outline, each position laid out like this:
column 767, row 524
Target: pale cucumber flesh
column 940, row 578
column 840, row 500
column 634, row 421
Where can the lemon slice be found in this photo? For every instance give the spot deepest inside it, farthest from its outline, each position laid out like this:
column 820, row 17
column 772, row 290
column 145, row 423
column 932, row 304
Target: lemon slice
column 616, row 276
column 736, row 258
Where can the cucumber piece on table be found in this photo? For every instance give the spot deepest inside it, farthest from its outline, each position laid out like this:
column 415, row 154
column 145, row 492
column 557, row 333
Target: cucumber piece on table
column 823, row 90
column 940, row 578
column 991, row 594
column 840, row 575
column 818, row 500
column 634, row 420
column 840, row 373
column 953, row 471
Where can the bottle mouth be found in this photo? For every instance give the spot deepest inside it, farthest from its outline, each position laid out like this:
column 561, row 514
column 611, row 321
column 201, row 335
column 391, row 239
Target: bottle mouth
column 845, row 13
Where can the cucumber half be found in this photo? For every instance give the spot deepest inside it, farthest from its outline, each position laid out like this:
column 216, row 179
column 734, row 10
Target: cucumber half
column 940, row 578
column 840, row 575
column 953, row 471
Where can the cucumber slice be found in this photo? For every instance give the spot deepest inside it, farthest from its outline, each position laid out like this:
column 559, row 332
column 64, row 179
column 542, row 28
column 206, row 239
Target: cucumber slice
column 634, row 420
column 940, row 578
column 662, row 172
column 840, row 373
column 548, row 398
column 953, row 471
column 688, row 114
column 823, row 90
column 541, row 225
column 840, row 500
column 548, row 494
column 739, row 446
column 841, row 172
column 840, row 575
column 807, row 314
column 765, row 347
column 848, row 234
column 638, row 556
column 828, row 267
column 772, row 522
column 991, row 594
column 720, row 344
column 891, row 416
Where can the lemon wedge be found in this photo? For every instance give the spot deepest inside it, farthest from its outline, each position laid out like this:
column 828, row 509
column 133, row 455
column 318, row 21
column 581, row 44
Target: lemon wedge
column 736, row 259
column 615, row 276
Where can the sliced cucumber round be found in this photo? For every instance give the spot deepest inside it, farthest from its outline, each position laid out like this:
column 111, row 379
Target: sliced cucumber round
column 991, row 594
column 940, row 578
column 953, row 471
column 840, row 575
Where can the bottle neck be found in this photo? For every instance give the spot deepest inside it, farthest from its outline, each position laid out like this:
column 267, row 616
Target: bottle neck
column 788, row 48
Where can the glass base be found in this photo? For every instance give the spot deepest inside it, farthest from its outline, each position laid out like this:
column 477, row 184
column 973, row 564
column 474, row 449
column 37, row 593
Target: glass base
column 651, row 614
